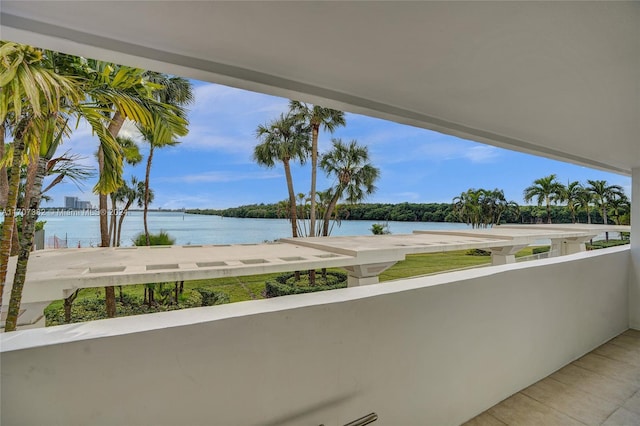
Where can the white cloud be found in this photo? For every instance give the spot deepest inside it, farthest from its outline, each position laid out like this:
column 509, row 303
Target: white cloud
column 220, row 176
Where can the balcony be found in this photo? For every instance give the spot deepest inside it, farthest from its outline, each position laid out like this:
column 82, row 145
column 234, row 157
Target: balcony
column 430, row 350
column 553, row 79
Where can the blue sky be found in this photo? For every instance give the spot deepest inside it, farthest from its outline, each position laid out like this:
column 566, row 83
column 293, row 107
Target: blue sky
column 212, row 167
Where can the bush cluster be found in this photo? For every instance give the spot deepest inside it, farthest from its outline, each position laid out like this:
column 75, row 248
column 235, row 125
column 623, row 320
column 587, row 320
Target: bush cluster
column 604, row 244
column 285, row 284
column 477, row 252
column 210, row 297
column 540, row 249
column 93, row 309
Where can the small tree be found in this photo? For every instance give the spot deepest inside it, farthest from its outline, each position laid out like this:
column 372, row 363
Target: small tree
column 380, row 229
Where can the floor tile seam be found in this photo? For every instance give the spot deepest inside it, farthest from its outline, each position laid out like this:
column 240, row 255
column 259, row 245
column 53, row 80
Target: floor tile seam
column 597, row 374
column 615, row 411
column 608, row 376
column 588, row 390
column 637, row 392
column 554, row 410
column 625, row 348
column 615, row 359
column 494, row 417
column 565, row 413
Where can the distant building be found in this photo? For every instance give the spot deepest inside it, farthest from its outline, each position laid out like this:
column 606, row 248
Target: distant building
column 74, row 203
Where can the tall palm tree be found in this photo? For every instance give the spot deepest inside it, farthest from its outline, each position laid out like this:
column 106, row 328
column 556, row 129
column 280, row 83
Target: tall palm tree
column 283, row 140
column 131, row 154
column 571, row 194
column 176, row 92
column 31, row 95
column 546, row 189
column 316, row 117
column 603, row 193
column 583, row 201
column 113, row 93
column 355, row 175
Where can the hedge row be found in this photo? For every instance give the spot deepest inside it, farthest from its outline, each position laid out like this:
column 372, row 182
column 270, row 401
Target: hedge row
column 284, row 285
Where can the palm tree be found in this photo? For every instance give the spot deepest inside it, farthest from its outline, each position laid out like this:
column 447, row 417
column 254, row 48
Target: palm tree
column 129, row 195
column 316, row 117
column 468, row 206
column 283, row 140
column 603, row 193
column 32, row 96
column 619, row 206
column 570, row 195
column 495, row 205
column 355, row 175
column 131, row 154
column 114, row 93
column 547, row 190
column 584, row 201
column 176, row 92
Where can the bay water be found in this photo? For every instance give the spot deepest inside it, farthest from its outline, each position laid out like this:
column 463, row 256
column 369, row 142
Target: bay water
column 73, row 228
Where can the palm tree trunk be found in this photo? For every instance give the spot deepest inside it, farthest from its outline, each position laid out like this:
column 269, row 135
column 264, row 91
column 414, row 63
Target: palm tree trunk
column 548, row 212
column 314, row 172
column 114, row 128
column 29, row 220
column 109, row 292
column 10, row 211
column 113, row 222
column 293, row 212
column 146, row 194
column 121, row 220
column 4, row 179
column 588, row 216
column 327, row 215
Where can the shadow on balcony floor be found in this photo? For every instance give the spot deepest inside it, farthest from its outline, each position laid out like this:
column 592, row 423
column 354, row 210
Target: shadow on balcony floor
column 601, row 388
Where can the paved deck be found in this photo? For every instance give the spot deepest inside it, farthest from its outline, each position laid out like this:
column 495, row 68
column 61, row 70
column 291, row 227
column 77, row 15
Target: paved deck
column 601, row 388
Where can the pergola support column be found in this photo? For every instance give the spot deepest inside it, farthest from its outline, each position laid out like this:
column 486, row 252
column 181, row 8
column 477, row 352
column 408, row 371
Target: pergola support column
column 564, row 246
column 504, row 255
column 366, row 274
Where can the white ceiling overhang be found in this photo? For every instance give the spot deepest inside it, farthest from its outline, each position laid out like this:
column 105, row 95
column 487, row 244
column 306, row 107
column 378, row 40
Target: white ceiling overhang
column 558, row 79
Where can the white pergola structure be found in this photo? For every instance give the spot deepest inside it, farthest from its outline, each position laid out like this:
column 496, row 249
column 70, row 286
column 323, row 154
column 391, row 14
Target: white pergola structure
column 557, row 79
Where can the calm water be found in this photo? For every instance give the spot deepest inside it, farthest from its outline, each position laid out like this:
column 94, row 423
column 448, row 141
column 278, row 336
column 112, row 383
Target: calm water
column 201, row 229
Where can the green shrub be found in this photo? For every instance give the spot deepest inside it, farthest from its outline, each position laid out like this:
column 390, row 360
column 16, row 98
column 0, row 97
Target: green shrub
column 93, row 309
column 160, row 239
column 604, row 244
column 477, row 252
column 285, row 284
column 210, row 297
column 540, row 249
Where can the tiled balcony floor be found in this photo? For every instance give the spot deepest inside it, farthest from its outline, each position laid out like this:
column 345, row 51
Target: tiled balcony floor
column 601, row 388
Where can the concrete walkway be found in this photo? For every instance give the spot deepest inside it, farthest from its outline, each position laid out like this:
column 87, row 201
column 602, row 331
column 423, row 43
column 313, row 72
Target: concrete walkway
column 601, row 388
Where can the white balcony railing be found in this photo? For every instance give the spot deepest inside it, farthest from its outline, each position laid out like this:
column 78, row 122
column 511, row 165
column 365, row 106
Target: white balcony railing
column 429, row 350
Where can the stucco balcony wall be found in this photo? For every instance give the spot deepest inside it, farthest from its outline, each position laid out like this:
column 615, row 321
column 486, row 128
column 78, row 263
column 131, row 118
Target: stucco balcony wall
column 432, row 351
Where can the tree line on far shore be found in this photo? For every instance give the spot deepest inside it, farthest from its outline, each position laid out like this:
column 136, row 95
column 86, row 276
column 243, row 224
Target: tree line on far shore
column 593, row 202
column 410, row 212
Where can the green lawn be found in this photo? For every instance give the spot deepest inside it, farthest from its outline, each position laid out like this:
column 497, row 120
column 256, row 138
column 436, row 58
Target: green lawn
column 252, row 287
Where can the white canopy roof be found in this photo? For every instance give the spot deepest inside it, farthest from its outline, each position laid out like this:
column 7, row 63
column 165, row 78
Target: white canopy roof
column 560, row 79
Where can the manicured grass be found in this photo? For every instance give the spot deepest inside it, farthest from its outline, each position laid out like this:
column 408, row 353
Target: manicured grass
column 252, row 287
